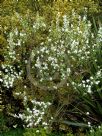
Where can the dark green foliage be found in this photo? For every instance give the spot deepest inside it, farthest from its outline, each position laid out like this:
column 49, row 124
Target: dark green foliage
column 13, row 132
column 95, row 132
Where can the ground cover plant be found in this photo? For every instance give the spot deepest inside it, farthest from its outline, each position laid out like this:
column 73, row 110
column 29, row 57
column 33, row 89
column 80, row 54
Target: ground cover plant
column 51, row 67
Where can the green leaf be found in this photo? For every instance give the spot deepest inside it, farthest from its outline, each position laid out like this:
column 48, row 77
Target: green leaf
column 74, row 123
column 89, row 101
column 99, row 107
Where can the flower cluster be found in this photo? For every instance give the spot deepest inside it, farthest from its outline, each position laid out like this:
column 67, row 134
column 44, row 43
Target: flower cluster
column 34, row 116
column 89, row 85
column 9, row 75
column 64, row 48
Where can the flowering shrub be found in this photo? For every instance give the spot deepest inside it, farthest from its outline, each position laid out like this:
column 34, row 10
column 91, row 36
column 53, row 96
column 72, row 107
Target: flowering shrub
column 64, row 48
column 57, row 62
column 35, row 111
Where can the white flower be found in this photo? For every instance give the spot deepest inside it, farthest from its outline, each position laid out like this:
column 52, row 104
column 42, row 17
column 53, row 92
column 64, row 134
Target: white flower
column 44, row 123
column 91, row 78
column 19, row 42
column 68, row 70
column 67, row 84
column 42, row 113
column 84, row 85
column 14, row 126
column 37, row 131
column 89, row 124
column 25, row 86
column 38, row 52
column 16, row 31
column 42, row 49
column 87, row 113
column 22, row 34
column 50, row 78
column 6, row 70
column 49, row 103
column 1, row 80
column 97, row 82
column 87, row 80
column 89, row 89
column 49, row 40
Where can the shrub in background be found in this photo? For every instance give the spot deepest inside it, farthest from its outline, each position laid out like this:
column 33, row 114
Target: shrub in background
column 95, row 132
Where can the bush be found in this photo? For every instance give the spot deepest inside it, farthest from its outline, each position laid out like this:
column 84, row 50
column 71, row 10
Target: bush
column 95, row 132
column 13, row 132
column 56, row 63
column 3, row 126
